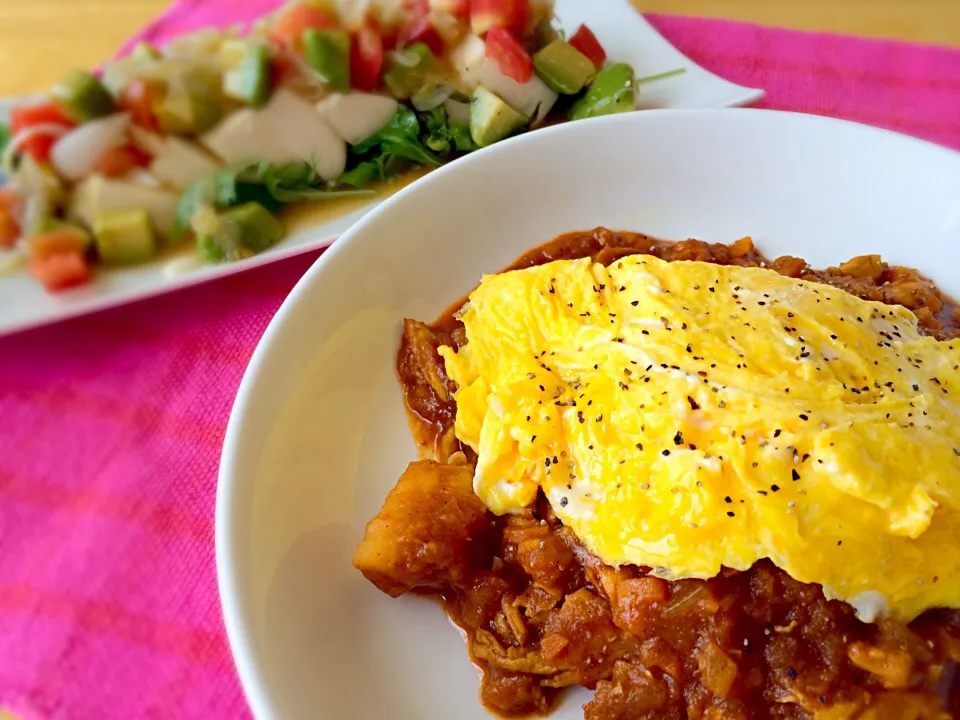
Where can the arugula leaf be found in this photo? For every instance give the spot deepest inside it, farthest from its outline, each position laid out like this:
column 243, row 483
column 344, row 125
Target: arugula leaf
column 401, row 136
column 270, row 185
column 366, row 173
column 444, row 136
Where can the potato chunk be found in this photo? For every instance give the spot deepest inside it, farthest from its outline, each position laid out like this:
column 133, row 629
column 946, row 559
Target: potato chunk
column 431, row 532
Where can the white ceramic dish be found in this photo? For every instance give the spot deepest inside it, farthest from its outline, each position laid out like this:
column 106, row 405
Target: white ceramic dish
column 624, row 33
column 318, row 433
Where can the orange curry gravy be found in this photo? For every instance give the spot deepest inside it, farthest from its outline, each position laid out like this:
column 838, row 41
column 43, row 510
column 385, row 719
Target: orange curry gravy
column 542, row 613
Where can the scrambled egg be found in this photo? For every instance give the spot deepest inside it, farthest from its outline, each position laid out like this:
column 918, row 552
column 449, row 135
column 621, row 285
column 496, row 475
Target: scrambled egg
column 687, row 416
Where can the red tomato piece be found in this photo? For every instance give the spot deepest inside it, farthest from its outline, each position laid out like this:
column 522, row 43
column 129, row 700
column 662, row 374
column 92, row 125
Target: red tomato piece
column 9, row 229
column 366, row 60
column 421, row 31
column 55, row 242
column 43, row 114
column 510, row 56
column 119, row 161
column 139, row 99
column 38, row 147
column 289, row 27
column 510, row 14
column 61, row 270
column 417, row 8
column 10, row 200
column 586, row 42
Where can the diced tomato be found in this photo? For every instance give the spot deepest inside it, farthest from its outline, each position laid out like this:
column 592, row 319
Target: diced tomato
column 55, row 242
column 139, row 99
column 586, row 42
column 511, row 57
column 47, row 113
column 61, row 270
column 38, row 147
column 9, row 229
column 10, row 200
column 366, row 60
column 119, row 161
column 509, row 14
column 289, row 27
column 421, row 31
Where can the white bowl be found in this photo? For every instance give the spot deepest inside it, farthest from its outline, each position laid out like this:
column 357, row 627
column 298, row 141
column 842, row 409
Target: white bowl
column 318, row 433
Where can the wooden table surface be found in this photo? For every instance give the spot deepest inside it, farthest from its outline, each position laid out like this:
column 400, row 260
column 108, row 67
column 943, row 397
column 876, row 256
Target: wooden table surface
column 40, row 39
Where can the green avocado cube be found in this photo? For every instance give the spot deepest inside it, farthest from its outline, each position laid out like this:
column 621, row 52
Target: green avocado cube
column 410, row 71
column 491, row 118
column 563, row 68
column 249, row 81
column 82, row 96
column 258, row 228
column 124, row 236
column 328, row 52
column 613, row 91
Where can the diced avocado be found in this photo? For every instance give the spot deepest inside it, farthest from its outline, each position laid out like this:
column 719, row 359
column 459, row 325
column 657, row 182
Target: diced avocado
column 82, row 96
column 145, row 52
column 328, row 52
column 563, row 68
column 491, row 119
column 249, row 80
column 124, row 236
column 259, row 229
column 410, row 71
column 191, row 105
column 210, row 249
column 613, row 91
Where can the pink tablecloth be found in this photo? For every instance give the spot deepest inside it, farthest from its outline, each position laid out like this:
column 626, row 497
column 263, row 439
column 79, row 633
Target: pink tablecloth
column 112, row 424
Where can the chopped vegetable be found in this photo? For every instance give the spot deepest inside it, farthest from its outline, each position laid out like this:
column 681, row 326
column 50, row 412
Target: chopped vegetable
column 401, row 136
column 356, row 116
column 492, row 119
column 328, row 52
column 82, row 97
column 118, row 161
column 291, row 25
column 124, row 236
column 139, row 98
column 366, row 60
column 423, row 31
column 586, row 42
column 249, row 81
column 563, row 68
column 9, row 229
column 98, row 194
column 46, row 113
column 444, row 135
column 259, row 229
column 59, row 238
column 192, row 105
column 509, row 14
column 75, row 155
column 60, row 271
column 4, row 137
column 612, row 91
column 510, row 56
column 410, row 70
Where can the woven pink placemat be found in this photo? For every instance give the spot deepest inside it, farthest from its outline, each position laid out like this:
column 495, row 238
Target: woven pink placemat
column 111, row 425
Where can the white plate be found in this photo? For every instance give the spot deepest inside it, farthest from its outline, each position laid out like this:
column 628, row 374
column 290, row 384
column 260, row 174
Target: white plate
column 623, row 31
column 318, row 433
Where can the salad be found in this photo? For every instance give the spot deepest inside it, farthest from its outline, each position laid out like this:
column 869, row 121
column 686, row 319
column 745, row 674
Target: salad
column 206, row 139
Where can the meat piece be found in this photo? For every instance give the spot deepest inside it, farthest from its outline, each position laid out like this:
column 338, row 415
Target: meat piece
column 633, row 693
column 868, row 267
column 432, row 532
column 428, row 391
column 512, row 694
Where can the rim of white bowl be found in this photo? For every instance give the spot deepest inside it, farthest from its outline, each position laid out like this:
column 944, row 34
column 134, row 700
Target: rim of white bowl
column 233, row 602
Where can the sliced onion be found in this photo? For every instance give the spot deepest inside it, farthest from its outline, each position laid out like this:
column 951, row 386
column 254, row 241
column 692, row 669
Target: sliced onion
column 405, row 58
column 35, row 210
column 51, row 129
column 429, row 99
column 75, row 155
